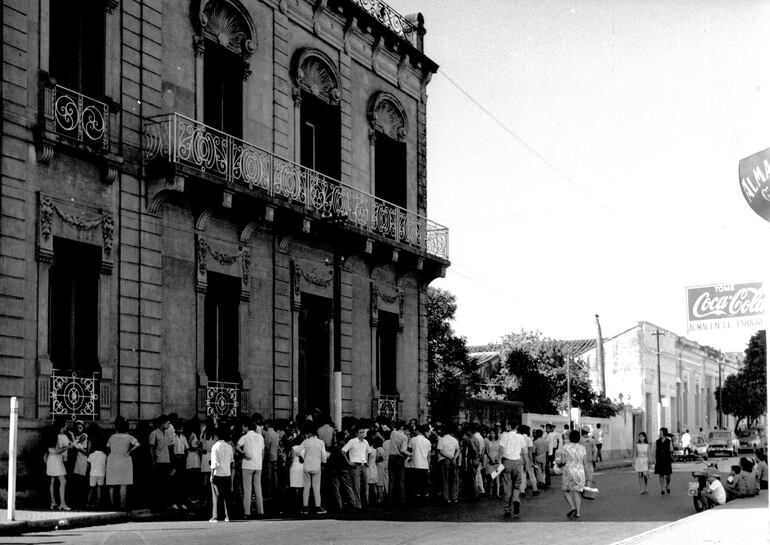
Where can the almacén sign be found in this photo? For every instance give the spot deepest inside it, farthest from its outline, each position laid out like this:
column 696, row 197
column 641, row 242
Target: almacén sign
column 725, row 306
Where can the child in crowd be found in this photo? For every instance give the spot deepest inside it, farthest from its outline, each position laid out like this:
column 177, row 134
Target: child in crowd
column 97, row 464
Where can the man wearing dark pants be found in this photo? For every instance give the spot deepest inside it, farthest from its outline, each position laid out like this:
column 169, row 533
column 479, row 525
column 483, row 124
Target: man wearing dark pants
column 357, row 450
column 396, row 458
column 513, row 451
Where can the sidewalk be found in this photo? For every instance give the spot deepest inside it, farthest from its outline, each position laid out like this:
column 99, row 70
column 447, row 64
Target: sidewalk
column 44, row 521
column 739, row 522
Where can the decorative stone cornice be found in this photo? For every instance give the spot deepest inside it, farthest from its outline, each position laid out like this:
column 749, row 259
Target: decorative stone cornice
column 49, row 210
column 204, row 251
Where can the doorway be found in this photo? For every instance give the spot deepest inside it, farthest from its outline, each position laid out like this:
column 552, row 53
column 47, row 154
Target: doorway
column 314, row 372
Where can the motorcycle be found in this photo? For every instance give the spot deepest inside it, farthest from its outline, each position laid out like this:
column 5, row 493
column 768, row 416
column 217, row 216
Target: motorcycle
column 698, row 483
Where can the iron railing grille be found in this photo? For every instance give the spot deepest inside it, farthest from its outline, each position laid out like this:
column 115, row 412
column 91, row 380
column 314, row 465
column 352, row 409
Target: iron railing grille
column 77, row 116
column 177, row 139
column 223, row 399
column 75, row 395
column 387, row 406
column 389, row 17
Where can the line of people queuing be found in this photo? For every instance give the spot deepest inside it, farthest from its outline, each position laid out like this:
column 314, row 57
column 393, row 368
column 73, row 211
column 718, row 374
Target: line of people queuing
column 171, row 463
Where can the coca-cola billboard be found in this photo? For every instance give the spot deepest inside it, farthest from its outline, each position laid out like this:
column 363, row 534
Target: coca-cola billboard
column 726, row 306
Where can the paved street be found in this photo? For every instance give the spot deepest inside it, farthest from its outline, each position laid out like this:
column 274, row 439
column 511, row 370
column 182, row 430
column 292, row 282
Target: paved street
column 619, row 512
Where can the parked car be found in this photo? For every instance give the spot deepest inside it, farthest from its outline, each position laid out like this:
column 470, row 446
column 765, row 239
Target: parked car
column 721, row 442
column 752, row 439
column 698, row 448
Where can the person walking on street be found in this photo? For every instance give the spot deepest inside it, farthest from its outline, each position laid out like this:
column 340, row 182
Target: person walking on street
column 573, row 475
column 599, row 441
column 513, row 448
column 642, row 461
column 554, row 442
column 663, row 451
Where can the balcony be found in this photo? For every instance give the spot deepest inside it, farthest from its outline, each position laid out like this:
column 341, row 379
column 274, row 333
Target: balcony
column 183, row 143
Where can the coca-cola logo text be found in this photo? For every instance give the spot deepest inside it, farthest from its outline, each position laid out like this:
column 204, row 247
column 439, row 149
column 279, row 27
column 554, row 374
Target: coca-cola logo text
column 743, row 300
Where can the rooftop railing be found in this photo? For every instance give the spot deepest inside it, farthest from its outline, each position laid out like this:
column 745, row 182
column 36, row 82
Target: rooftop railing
column 179, row 140
column 389, row 17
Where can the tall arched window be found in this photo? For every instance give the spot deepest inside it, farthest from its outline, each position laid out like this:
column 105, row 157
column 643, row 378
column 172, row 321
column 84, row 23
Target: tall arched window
column 224, row 40
column 317, row 112
column 388, row 129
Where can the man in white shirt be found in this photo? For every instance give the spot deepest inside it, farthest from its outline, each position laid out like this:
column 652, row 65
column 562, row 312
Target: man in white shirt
column 221, row 467
column 513, row 448
column 252, row 446
column 356, row 450
column 554, row 441
column 448, row 457
column 686, row 442
column 714, row 493
column 420, row 447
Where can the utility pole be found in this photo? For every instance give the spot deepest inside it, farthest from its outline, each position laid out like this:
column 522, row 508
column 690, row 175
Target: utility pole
column 719, row 419
column 657, row 334
column 569, row 389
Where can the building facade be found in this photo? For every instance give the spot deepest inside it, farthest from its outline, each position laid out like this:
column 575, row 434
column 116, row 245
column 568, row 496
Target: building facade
column 688, row 373
column 214, row 207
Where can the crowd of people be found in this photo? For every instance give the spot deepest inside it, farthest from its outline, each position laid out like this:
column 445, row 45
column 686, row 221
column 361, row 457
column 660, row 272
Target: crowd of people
column 232, row 465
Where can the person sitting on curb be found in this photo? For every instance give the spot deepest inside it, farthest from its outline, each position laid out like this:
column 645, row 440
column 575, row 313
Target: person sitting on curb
column 714, row 494
column 743, row 484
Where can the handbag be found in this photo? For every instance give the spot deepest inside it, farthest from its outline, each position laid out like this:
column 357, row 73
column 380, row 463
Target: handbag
column 590, row 492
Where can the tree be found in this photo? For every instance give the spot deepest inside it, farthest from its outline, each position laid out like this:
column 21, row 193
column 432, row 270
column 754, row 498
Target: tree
column 449, row 369
column 540, row 364
column 744, row 394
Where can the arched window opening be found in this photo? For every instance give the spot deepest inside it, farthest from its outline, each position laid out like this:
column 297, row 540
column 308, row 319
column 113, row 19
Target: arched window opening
column 317, row 92
column 388, row 129
column 225, row 37
column 77, row 44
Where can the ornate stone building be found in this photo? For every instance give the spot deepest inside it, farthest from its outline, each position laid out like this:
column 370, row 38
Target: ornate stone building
column 214, row 207
column 646, row 361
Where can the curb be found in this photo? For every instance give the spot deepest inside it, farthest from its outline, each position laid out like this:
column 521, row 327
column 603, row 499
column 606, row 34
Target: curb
column 12, row 528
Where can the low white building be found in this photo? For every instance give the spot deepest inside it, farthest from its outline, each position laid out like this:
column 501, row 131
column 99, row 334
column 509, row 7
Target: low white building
column 686, row 376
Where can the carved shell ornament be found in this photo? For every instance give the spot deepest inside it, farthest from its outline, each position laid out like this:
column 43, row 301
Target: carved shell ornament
column 387, row 116
column 314, row 76
column 222, row 23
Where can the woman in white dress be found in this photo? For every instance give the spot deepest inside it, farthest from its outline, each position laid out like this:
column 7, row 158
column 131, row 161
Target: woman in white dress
column 642, row 461
column 297, row 471
column 58, row 444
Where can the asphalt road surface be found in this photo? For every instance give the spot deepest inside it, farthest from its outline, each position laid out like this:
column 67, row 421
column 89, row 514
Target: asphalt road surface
column 619, row 512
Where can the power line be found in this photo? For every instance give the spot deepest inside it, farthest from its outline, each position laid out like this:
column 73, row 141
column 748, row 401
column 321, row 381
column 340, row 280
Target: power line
column 522, row 142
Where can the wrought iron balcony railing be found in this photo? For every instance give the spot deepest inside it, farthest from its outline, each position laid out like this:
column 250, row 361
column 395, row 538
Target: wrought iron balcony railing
column 77, row 117
column 223, row 399
column 177, row 139
column 389, row 17
column 75, row 395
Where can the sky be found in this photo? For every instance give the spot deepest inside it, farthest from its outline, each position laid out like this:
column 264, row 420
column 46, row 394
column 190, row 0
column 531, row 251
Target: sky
column 584, row 156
